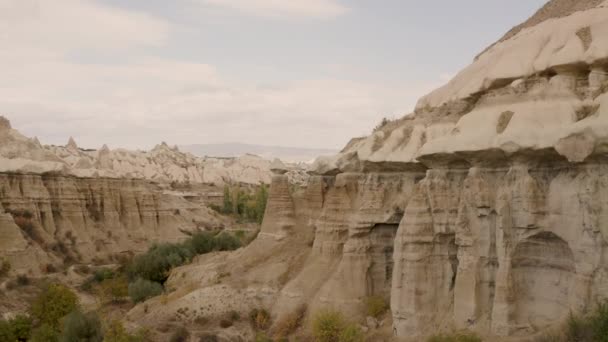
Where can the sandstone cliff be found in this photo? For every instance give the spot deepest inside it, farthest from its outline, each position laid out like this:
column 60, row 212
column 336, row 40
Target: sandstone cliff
column 49, row 219
column 485, row 209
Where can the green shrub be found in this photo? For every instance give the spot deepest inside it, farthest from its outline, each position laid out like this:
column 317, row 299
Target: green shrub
column 114, row 290
column 244, row 204
column 102, row 274
column 21, row 326
column 352, row 333
column 143, row 289
column 6, row 331
column 599, row 322
column 180, row 335
column 240, row 234
column 456, row 337
column 53, row 303
column 226, row 242
column 78, row 326
column 156, row 264
column 44, row 333
column 327, row 326
column 116, row 332
column 201, row 243
column 376, row 306
column 581, row 328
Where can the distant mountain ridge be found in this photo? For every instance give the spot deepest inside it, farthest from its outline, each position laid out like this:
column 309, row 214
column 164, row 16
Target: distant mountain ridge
column 290, row 154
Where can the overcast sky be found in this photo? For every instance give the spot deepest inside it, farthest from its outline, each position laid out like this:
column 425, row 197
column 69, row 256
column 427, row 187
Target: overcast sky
column 308, row 73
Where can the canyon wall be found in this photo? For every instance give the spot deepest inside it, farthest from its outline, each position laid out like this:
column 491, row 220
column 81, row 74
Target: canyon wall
column 49, row 219
column 485, row 209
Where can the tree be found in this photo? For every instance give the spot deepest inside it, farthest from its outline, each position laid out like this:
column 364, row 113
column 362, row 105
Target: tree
column 6, row 331
column 81, row 327
column 261, row 198
column 22, row 327
column 228, row 205
column 143, row 289
column 114, row 290
column 53, row 303
column 44, row 333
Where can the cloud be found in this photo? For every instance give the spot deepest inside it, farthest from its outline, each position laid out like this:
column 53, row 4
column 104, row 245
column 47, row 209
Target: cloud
column 76, row 24
column 141, row 99
column 275, row 8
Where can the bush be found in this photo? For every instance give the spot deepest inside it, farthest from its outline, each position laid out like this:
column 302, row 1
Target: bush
column 201, row 243
column 457, row 337
column 351, row 333
column 6, row 332
column 180, row 335
column 260, row 319
column 102, row 274
column 143, row 289
column 156, row 264
column 376, row 306
column 116, row 332
column 226, row 242
column 44, row 333
column 327, row 326
column 114, row 290
column 21, row 327
column 244, row 204
column 590, row 328
column 289, row 323
column 53, row 303
column 78, row 326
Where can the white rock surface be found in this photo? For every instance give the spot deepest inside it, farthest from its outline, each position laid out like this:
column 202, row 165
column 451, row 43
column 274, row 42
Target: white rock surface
column 162, row 164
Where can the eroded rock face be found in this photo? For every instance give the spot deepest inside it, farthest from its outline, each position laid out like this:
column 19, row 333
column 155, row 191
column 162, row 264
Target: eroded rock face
column 57, row 218
column 501, row 210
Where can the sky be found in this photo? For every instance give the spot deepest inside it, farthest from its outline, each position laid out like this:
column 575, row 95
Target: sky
column 302, row 73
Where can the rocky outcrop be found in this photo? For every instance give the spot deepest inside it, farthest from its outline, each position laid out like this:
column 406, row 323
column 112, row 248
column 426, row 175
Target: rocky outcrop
column 162, row 164
column 49, row 219
column 482, row 210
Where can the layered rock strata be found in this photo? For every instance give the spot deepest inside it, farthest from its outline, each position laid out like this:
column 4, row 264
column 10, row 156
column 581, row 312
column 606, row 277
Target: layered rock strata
column 48, row 219
column 484, row 209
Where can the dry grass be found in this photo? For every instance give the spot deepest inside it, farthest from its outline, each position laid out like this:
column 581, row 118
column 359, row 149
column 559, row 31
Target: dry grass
column 260, row 319
column 376, row 306
column 289, row 323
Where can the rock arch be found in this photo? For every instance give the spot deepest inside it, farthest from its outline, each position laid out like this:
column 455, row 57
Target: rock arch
column 542, row 275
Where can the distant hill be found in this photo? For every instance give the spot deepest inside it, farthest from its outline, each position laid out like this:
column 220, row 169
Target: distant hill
column 289, row 154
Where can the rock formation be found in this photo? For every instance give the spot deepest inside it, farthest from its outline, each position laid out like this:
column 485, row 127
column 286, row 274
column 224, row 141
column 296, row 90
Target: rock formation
column 162, row 164
column 484, row 209
column 49, row 219
column 63, row 204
